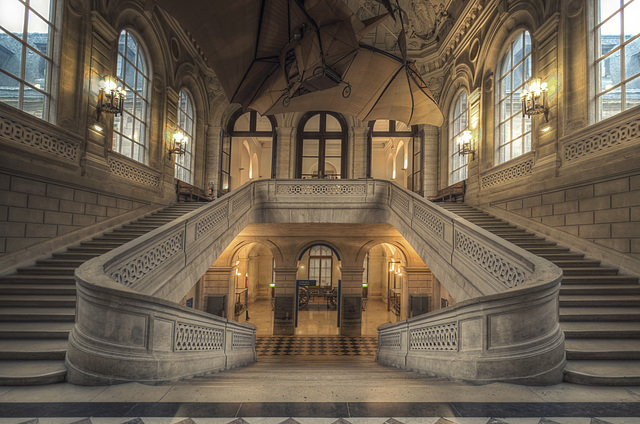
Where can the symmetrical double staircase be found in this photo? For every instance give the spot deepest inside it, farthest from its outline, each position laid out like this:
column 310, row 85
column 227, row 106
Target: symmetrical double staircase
column 599, row 308
column 37, row 303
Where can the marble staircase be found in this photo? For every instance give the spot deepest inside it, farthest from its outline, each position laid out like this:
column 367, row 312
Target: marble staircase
column 37, row 303
column 599, row 307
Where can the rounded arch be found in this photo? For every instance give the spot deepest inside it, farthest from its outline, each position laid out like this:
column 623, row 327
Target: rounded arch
column 366, row 248
column 328, row 245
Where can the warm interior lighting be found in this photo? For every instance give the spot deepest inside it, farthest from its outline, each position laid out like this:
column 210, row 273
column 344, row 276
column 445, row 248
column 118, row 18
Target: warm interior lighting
column 534, row 98
column 110, row 97
column 178, row 144
column 546, row 129
column 98, row 128
column 464, row 144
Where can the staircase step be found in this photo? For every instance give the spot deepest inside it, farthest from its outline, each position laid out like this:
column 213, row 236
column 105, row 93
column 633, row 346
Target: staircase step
column 589, row 271
column 38, row 301
column 615, row 349
column 19, row 279
column 603, row 373
column 601, row 330
column 29, row 289
column 600, row 289
column 561, row 256
column 35, row 330
column 27, row 373
column 537, row 250
column 60, row 262
column 87, row 249
column 85, row 256
column 598, row 279
column 47, row 270
column 21, row 349
column 575, row 263
column 599, row 314
column 33, row 314
column 608, row 300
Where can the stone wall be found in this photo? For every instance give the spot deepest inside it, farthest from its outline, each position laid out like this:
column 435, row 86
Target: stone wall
column 33, row 211
column 606, row 212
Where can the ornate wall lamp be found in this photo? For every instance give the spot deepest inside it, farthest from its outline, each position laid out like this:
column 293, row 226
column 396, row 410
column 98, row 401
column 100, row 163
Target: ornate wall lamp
column 178, row 144
column 464, row 144
column 534, row 98
column 110, row 97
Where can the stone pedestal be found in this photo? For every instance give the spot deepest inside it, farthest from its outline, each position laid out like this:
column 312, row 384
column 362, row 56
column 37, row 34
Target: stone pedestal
column 285, row 307
column 351, row 302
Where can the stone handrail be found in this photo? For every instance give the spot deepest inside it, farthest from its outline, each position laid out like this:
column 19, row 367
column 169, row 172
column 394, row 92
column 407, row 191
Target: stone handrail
column 129, row 327
column 506, row 324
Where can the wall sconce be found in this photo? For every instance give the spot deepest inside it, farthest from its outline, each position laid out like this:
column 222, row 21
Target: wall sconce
column 110, row 97
column 464, row 144
column 178, row 144
column 534, row 98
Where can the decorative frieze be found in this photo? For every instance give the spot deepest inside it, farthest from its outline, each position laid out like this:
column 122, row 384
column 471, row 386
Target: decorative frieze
column 429, row 220
column 131, row 172
column 21, row 133
column 321, row 189
column 389, row 341
column 509, row 274
column 622, row 133
column 436, row 337
column 211, row 220
column 514, row 172
column 134, row 269
column 192, row 338
column 242, row 341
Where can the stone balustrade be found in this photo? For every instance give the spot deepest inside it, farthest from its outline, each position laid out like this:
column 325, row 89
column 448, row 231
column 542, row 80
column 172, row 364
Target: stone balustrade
column 129, row 327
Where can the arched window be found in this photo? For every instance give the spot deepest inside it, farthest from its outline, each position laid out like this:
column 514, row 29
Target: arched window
column 617, row 56
column 185, row 124
column 320, row 265
column 248, row 152
column 513, row 130
column 458, row 122
column 27, row 29
column 322, row 146
column 396, row 153
column 131, row 129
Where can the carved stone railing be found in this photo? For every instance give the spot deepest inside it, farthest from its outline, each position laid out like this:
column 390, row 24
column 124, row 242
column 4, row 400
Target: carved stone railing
column 606, row 136
column 132, row 170
column 504, row 328
column 509, row 171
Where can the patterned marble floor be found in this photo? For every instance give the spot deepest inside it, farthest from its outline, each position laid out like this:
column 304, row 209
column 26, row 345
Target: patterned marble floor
column 320, row 345
column 290, row 420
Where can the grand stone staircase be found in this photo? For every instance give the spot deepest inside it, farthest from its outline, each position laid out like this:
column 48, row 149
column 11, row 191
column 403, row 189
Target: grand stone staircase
column 37, row 303
column 599, row 308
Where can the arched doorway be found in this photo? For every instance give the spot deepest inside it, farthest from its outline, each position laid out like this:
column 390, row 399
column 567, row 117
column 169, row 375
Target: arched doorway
column 318, row 291
column 396, row 153
column 322, row 146
column 248, row 150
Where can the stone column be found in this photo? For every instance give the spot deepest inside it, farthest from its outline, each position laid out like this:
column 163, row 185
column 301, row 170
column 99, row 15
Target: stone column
column 216, row 284
column 351, row 302
column 212, row 166
column 285, row 155
column 358, row 155
column 430, row 161
column 285, row 308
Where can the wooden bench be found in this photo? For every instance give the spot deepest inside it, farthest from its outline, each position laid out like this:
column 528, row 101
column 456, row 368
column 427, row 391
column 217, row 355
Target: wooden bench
column 450, row 193
column 192, row 193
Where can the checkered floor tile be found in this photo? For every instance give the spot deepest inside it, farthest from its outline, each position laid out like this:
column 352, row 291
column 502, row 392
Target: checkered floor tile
column 317, row 345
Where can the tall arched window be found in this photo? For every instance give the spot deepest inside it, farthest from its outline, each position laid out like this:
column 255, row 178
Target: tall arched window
column 186, row 124
column 513, row 130
column 248, row 151
column 617, row 56
column 27, row 29
column 458, row 122
column 321, row 265
column 131, row 129
column 322, row 146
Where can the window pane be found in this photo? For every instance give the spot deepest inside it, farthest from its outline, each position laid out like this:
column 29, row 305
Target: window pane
column 242, row 123
column 333, row 124
column 309, row 167
column 518, row 53
column 10, row 55
column 632, row 59
column 610, row 33
column 313, row 124
column 381, row 125
column 12, row 16
column 310, row 148
column 333, row 148
column 36, row 69
column 610, row 103
column 38, row 33
column 34, row 102
column 607, row 8
column 631, row 19
column 9, row 91
column 43, row 7
column 263, row 123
